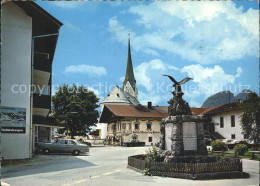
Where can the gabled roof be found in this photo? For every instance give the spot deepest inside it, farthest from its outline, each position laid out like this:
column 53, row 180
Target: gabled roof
column 120, row 111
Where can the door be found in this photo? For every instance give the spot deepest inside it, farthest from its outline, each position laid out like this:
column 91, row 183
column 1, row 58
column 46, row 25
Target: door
column 61, row 146
column 72, row 145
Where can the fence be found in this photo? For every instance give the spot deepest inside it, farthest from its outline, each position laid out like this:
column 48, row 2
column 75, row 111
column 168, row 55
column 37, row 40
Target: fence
column 137, row 162
column 159, row 168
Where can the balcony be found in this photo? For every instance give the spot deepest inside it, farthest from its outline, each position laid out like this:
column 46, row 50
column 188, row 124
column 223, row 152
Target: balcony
column 42, row 62
column 41, row 78
column 42, row 101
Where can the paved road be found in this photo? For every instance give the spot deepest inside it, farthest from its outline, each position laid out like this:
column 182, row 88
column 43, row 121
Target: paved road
column 103, row 166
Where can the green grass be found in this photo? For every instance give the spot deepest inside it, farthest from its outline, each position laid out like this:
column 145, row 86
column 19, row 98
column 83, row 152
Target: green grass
column 247, row 155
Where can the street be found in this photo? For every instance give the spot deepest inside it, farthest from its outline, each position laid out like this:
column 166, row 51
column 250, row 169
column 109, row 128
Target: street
column 105, row 165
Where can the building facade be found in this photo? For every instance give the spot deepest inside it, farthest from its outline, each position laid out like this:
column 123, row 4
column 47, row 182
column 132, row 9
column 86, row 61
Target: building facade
column 129, row 122
column 26, row 73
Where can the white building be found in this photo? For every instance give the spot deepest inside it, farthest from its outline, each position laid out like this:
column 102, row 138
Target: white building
column 27, row 53
column 102, row 130
column 226, row 121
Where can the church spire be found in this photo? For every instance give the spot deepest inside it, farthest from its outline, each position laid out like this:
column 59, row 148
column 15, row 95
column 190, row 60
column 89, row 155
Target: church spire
column 129, row 76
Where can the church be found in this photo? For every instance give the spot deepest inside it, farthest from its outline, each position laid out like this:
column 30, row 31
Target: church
column 126, row 118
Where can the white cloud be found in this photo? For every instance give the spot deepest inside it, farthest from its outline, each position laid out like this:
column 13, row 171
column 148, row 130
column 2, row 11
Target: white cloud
column 194, row 103
column 121, row 79
column 239, row 72
column 209, row 80
column 149, row 73
column 97, row 92
column 86, row 69
column 144, row 97
column 223, row 31
column 67, row 4
column 72, row 27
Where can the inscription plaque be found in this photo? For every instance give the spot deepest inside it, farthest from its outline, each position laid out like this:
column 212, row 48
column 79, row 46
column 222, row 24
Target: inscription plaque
column 189, row 135
column 168, row 132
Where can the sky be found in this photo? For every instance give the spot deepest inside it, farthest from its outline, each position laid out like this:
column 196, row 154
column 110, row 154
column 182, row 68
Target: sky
column 214, row 42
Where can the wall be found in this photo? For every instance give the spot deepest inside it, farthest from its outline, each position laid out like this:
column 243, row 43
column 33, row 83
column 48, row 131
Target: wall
column 16, row 69
column 103, row 129
column 227, row 130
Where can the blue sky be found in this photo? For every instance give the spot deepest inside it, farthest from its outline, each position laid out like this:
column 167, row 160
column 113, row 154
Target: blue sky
column 215, row 43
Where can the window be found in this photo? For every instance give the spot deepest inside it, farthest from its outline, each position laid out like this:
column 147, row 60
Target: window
column 221, row 122
column 136, row 126
column 63, row 142
column 72, row 142
column 232, row 121
column 123, row 125
column 245, row 136
column 233, row 136
column 129, row 126
column 114, row 127
column 149, row 126
column 150, row 139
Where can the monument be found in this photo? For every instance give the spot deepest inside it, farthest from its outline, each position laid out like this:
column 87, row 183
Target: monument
column 181, row 132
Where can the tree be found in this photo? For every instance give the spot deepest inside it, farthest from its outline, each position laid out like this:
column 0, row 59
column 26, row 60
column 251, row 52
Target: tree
column 75, row 107
column 250, row 117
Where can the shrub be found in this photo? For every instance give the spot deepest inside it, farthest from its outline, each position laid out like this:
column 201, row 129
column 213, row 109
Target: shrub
column 218, row 146
column 154, row 154
column 241, row 149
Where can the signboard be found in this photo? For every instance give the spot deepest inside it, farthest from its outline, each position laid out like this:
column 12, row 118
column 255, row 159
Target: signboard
column 168, row 134
column 13, row 120
column 189, row 136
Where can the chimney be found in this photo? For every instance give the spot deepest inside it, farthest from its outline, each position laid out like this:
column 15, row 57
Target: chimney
column 149, row 104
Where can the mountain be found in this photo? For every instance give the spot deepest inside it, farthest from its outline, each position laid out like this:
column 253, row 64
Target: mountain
column 243, row 94
column 219, row 98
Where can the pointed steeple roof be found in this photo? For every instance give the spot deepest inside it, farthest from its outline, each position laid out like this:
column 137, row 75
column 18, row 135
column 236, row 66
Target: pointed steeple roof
column 129, row 75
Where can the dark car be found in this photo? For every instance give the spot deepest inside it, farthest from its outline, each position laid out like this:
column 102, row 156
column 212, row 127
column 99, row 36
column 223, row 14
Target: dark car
column 134, row 143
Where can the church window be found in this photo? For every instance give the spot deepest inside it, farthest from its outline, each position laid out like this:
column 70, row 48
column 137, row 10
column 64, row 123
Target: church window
column 117, row 95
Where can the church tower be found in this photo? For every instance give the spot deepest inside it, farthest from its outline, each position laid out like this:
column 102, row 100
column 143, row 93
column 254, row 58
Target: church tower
column 129, row 85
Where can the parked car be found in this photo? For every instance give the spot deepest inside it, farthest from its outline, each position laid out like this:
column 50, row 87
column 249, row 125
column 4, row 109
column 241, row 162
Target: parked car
column 64, row 146
column 134, row 143
column 230, row 142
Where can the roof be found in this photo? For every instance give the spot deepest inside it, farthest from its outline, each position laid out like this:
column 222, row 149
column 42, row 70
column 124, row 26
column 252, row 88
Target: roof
column 114, row 111
column 32, row 8
column 135, row 111
column 129, row 75
column 201, row 111
column 225, row 108
column 119, row 96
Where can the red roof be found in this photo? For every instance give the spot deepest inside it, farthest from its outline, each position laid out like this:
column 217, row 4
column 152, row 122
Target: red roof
column 201, row 111
column 132, row 111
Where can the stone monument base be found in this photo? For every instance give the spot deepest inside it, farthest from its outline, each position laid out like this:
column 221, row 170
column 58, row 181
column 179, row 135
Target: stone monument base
column 183, row 135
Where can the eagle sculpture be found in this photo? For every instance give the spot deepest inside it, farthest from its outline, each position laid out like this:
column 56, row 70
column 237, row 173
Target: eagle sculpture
column 177, row 85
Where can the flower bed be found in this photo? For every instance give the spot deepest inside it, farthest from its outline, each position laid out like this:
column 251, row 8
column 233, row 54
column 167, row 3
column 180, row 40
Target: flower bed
column 188, row 168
